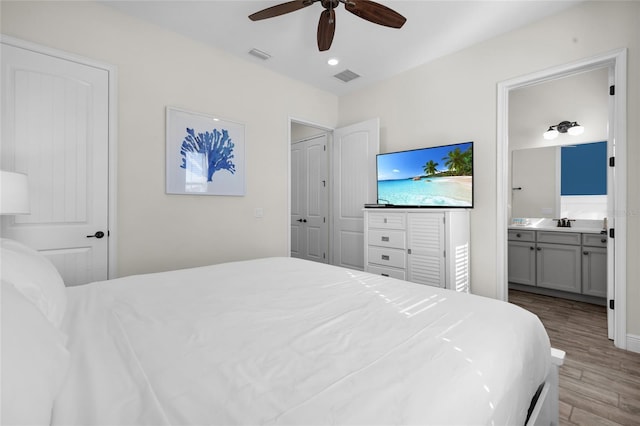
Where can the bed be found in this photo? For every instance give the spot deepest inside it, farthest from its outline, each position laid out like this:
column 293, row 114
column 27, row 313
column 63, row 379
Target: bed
column 265, row 341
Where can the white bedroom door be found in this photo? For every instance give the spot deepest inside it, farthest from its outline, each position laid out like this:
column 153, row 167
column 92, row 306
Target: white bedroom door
column 309, row 199
column 55, row 115
column 354, row 184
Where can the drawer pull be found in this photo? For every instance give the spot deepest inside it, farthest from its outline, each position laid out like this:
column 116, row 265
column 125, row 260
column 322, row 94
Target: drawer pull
column 518, row 235
column 385, row 257
column 603, row 240
column 385, row 239
column 385, row 275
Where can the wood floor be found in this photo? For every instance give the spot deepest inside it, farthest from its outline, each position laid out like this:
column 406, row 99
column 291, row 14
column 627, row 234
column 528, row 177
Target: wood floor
column 599, row 384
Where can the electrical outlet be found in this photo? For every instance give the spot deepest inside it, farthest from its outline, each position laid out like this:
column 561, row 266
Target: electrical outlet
column 258, row 212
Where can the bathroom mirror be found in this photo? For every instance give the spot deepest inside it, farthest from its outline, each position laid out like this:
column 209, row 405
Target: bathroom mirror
column 560, row 181
column 535, row 162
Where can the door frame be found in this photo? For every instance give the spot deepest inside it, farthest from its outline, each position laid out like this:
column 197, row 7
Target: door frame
column 329, row 132
column 617, row 60
column 112, row 267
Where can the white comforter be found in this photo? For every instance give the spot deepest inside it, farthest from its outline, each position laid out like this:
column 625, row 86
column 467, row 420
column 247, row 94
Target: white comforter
column 285, row 341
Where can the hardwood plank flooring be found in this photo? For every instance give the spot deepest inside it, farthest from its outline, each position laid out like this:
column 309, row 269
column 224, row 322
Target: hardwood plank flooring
column 599, row 384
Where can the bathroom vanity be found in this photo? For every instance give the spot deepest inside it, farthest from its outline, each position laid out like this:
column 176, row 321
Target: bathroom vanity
column 569, row 262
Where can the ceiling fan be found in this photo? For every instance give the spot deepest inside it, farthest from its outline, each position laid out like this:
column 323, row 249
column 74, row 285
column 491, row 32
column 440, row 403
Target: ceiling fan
column 365, row 9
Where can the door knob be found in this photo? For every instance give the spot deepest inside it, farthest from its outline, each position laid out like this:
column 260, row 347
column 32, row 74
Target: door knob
column 302, row 220
column 98, row 234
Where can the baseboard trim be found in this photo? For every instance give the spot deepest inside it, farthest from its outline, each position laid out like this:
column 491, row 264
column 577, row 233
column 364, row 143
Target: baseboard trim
column 633, row 343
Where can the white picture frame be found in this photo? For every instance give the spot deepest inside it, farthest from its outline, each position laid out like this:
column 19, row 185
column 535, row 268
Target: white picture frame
column 205, row 154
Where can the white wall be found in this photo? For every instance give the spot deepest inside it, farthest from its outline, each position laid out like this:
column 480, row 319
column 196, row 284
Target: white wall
column 453, row 99
column 157, row 68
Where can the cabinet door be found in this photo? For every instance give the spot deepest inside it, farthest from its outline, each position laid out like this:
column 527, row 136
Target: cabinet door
column 594, row 271
column 425, row 241
column 522, row 262
column 558, row 267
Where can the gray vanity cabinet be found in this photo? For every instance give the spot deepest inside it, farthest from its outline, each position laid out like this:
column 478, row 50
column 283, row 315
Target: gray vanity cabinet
column 594, row 265
column 558, row 261
column 522, row 257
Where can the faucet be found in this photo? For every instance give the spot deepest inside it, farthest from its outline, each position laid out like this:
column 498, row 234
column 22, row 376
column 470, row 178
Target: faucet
column 564, row 222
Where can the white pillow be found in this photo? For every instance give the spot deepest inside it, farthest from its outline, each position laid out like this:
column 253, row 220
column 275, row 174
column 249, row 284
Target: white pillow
column 34, row 361
column 35, row 277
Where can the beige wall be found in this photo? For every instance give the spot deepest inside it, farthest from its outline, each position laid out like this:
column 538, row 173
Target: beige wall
column 453, row 99
column 157, row 68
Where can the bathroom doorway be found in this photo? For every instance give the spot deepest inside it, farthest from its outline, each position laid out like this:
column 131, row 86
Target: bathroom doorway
column 615, row 63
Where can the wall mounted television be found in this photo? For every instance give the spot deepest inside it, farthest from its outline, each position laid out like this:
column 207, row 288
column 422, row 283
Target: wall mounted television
column 433, row 177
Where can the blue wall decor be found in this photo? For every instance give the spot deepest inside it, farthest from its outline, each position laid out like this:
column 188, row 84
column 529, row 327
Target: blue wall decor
column 584, row 169
column 205, row 154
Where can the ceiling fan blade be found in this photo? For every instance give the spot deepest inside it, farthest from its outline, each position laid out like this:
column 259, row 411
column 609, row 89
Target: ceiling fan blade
column 326, row 29
column 280, row 9
column 375, row 12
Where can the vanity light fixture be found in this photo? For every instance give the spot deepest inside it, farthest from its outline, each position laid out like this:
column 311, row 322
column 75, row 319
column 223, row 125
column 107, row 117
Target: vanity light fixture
column 571, row 127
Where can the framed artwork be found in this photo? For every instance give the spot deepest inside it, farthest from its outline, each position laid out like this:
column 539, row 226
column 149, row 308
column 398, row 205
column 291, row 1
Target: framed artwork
column 205, row 154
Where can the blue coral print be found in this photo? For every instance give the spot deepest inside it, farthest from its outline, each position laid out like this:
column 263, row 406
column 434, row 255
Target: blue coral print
column 215, row 147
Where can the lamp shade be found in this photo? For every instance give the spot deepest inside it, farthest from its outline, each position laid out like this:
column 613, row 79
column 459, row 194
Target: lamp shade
column 14, row 193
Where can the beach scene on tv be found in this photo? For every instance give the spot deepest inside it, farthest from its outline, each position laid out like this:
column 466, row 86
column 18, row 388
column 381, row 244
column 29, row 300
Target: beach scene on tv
column 430, row 177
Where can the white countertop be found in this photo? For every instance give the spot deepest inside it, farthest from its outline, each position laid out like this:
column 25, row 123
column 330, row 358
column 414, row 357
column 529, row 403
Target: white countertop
column 585, row 226
column 584, row 230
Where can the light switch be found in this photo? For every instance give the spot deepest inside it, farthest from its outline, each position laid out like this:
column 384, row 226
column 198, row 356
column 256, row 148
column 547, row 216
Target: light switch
column 259, row 212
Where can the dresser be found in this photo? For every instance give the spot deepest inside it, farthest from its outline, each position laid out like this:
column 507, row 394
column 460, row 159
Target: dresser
column 424, row 246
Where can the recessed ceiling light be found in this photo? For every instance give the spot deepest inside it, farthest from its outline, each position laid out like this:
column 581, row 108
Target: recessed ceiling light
column 333, row 62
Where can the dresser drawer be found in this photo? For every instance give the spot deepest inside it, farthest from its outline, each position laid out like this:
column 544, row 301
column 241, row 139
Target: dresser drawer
column 387, row 220
column 387, row 257
column 594, row 240
column 387, row 272
column 552, row 237
column 522, row 235
column 387, row 238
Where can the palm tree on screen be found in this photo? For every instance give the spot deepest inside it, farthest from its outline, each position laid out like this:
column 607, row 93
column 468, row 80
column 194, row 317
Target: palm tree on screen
column 455, row 161
column 430, row 168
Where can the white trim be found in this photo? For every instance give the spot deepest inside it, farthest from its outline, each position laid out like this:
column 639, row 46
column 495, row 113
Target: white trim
column 633, row 343
column 112, row 138
column 618, row 60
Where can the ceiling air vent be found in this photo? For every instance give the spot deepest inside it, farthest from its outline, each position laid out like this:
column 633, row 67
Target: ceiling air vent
column 259, row 54
column 346, row 76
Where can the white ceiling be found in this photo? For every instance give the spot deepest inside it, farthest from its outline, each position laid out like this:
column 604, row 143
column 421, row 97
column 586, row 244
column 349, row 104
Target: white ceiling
column 433, row 29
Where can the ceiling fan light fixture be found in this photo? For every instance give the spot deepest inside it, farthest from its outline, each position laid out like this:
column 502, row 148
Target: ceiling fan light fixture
column 366, row 9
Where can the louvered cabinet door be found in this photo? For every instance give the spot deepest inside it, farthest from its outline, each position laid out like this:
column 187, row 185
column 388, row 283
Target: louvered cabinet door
column 426, row 246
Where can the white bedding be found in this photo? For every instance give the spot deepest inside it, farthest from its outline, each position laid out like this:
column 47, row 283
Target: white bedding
column 285, row 341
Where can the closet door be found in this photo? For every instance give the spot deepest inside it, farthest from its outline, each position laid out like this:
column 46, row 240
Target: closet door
column 309, row 199
column 354, row 184
column 55, row 129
